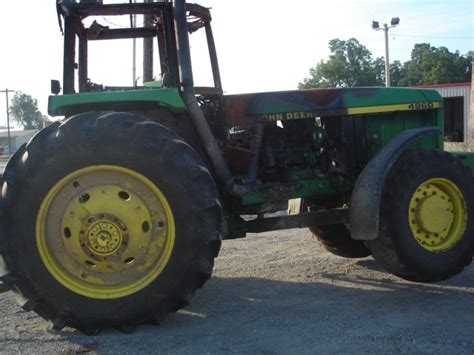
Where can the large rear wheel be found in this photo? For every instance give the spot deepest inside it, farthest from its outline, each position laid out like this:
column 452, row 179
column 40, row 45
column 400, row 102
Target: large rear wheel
column 113, row 221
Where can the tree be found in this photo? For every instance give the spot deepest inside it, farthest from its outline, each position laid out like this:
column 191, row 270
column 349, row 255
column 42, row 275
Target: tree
column 24, row 111
column 431, row 65
column 350, row 64
column 396, row 72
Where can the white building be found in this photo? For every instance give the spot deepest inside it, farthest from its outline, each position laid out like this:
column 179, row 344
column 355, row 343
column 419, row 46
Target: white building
column 17, row 138
column 458, row 123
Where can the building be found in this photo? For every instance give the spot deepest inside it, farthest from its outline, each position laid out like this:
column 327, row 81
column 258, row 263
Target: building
column 17, row 138
column 458, row 121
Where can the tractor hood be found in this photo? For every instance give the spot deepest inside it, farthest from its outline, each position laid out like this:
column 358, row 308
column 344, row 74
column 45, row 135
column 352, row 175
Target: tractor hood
column 299, row 104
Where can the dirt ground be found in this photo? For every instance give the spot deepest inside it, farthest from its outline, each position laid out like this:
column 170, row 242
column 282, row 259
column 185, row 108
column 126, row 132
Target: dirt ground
column 279, row 292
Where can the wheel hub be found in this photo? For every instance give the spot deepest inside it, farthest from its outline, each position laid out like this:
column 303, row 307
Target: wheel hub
column 433, row 210
column 115, row 233
column 103, row 235
column 437, row 215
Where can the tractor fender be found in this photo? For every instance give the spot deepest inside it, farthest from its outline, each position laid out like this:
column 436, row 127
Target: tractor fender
column 367, row 193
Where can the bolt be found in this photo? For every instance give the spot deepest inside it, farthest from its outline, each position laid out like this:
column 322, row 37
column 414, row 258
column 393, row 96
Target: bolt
column 84, row 198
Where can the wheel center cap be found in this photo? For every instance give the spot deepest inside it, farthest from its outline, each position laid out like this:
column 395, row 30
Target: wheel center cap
column 435, row 214
column 103, row 235
column 104, row 239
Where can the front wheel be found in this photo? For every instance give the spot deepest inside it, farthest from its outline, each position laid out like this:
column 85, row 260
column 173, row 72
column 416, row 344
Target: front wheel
column 113, row 221
column 426, row 217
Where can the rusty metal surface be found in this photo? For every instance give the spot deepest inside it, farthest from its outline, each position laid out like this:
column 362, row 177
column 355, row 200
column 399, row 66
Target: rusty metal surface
column 246, row 108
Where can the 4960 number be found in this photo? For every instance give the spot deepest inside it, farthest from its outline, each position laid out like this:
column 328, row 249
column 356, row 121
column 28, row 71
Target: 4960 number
column 421, row 106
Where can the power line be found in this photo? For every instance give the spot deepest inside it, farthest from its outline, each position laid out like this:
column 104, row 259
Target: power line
column 435, row 37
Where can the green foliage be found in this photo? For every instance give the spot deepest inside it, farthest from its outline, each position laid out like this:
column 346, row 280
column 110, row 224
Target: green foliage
column 396, row 72
column 24, row 111
column 431, row 65
column 350, row 64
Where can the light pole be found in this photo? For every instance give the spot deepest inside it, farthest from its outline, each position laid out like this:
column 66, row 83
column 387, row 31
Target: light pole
column 375, row 26
column 6, row 91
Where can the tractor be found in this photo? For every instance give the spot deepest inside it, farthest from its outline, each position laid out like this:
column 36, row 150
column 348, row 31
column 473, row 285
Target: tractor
column 112, row 217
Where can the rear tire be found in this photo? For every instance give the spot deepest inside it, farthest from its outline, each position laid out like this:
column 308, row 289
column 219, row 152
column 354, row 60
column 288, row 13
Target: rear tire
column 426, row 218
column 113, row 221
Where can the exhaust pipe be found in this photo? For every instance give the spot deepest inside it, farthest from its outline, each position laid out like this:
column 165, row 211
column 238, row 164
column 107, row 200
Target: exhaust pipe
column 197, row 116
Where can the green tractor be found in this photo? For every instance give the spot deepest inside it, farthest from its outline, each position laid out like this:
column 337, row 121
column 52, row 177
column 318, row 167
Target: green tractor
column 113, row 216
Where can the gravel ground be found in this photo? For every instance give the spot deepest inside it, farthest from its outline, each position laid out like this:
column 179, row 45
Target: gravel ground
column 279, row 292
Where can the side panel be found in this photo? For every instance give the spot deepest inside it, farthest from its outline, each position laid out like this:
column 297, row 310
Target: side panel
column 379, row 129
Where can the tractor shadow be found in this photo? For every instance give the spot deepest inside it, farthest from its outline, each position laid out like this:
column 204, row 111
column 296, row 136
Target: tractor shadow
column 257, row 315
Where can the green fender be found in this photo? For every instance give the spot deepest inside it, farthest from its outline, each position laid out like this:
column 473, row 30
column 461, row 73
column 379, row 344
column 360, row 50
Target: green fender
column 367, row 193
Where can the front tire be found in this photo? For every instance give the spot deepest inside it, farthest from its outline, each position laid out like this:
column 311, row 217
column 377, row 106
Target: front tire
column 113, row 221
column 426, row 217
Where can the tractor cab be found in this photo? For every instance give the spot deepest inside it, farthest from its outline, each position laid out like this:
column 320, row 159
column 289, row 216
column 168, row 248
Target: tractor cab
column 85, row 22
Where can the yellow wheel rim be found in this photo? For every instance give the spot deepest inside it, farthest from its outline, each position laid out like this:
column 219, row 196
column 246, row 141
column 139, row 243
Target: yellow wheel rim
column 437, row 215
column 105, row 231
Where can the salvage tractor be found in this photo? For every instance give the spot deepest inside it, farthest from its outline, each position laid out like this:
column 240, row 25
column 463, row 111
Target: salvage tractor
column 113, row 216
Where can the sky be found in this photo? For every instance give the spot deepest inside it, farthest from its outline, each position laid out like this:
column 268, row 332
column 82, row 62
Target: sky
column 262, row 45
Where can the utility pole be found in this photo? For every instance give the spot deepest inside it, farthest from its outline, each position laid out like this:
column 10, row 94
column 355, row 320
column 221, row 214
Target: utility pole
column 133, row 24
column 375, row 26
column 6, row 91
